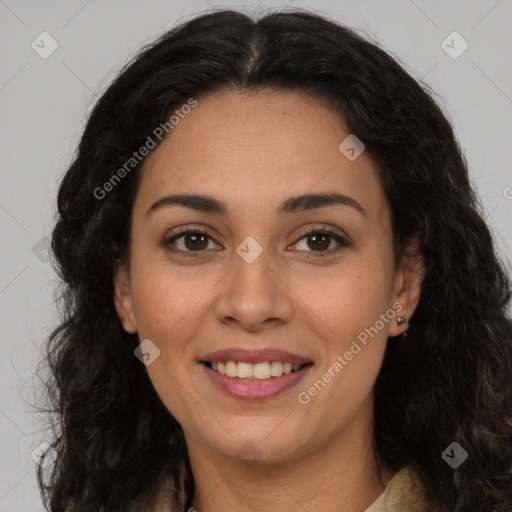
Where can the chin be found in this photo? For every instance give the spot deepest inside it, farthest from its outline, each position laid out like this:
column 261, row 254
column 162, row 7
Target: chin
column 257, row 449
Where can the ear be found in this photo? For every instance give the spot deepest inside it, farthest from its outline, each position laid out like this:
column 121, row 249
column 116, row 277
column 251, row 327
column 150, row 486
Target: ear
column 407, row 287
column 123, row 298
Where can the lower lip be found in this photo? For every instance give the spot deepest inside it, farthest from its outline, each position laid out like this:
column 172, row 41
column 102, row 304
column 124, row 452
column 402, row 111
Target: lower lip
column 255, row 389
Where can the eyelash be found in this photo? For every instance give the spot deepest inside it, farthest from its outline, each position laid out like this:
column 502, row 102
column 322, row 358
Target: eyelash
column 323, row 230
column 315, row 230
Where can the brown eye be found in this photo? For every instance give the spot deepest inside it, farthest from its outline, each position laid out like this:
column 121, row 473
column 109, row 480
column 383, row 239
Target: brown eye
column 195, row 241
column 189, row 240
column 319, row 241
column 316, row 242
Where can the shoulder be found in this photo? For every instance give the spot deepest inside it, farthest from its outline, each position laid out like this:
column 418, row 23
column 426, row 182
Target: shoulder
column 405, row 491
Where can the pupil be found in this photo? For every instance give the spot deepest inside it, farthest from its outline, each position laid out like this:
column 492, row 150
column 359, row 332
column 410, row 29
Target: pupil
column 196, row 243
column 320, row 245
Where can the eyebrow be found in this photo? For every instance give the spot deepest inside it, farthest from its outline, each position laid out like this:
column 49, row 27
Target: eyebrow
column 208, row 204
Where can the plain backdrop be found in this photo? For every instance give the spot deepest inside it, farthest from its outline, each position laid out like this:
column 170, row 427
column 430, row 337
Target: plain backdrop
column 44, row 103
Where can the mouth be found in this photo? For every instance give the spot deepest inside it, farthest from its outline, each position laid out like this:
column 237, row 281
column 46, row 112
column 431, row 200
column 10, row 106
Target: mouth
column 254, row 374
column 261, row 371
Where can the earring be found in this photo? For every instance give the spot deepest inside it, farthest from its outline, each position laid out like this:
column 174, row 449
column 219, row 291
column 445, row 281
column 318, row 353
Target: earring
column 402, row 320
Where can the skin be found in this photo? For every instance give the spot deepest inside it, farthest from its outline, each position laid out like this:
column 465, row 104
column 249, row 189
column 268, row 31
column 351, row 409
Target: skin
column 252, row 151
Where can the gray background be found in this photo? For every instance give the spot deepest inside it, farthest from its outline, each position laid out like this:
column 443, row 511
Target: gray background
column 43, row 104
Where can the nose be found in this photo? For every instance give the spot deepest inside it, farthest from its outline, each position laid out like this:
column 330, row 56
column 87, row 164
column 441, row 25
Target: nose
column 253, row 296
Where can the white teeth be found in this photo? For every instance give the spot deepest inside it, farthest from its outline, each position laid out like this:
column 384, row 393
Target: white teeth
column 245, row 370
column 231, row 369
column 276, row 368
column 259, row 371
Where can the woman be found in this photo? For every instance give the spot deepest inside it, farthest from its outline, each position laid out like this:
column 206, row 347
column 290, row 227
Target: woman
column 280, row 290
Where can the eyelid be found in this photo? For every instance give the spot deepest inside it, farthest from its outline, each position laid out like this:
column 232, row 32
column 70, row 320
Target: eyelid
column 322, row 228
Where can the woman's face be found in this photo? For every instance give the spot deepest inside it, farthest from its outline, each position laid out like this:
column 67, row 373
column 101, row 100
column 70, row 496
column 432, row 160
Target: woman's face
column 262, row 276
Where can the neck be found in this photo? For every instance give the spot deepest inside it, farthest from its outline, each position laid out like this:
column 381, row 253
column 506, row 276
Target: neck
column 346, row 467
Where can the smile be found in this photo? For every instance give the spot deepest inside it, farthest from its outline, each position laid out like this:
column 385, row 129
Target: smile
column 260, row 371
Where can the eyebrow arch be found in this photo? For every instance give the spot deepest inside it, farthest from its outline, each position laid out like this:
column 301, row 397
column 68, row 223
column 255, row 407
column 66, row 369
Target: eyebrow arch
column 208, row 204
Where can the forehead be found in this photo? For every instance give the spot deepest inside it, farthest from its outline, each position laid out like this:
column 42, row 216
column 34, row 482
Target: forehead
column 248, row 148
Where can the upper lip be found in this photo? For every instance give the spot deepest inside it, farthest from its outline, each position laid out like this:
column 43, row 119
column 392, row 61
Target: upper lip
column 253, row 356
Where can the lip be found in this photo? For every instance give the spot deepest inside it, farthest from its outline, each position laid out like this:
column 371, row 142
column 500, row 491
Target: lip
column 254, row 389
column 244, row 355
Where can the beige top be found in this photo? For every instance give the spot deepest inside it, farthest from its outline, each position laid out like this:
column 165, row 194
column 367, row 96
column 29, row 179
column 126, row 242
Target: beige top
column 403, row 493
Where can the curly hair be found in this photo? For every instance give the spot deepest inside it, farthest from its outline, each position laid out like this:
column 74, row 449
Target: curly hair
column 448, row 381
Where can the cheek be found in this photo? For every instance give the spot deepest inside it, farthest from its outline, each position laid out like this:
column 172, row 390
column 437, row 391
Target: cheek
column 349, row 304
column 170, row 309
column 350, row 297
column 167, row 298
column 352, row 352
